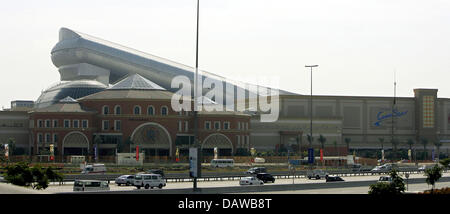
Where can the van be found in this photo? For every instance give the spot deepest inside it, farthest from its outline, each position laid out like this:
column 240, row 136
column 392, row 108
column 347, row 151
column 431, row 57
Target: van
column 149, row 181
column 215, row 163
column 90, row 185
column 94, row 169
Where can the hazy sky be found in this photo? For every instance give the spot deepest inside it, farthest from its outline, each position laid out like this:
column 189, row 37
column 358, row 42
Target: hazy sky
column 357, row 44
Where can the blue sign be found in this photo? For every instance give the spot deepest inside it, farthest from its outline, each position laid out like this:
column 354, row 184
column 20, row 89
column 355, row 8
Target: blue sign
column 311, row 155
column 382, row 115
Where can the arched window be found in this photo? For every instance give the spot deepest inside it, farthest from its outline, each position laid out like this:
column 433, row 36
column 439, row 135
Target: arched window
column 118, row 110
column 105, row 110
column 151, row 110
column 164, row 110
column 137, row 110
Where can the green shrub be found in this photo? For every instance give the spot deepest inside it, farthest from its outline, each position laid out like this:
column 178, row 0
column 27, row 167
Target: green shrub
column 38, row 178
column 397, row 186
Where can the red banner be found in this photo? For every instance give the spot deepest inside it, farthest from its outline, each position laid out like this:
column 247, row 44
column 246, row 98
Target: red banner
column 137, row 153
column 321, row 155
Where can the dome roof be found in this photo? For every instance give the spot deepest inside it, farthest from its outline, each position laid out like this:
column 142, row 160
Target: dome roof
column 74, row 89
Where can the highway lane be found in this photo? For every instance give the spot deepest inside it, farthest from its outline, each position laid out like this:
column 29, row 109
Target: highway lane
column 413, row 188
column 54, row 188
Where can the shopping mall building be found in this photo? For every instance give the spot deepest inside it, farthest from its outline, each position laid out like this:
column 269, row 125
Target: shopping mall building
column 113, row 98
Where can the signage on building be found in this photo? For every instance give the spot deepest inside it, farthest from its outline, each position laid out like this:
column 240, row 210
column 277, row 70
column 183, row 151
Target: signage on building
column 385, row 115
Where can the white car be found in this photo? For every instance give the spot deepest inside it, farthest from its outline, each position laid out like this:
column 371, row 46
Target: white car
column 149, row 181
column 317, row 174
column 125, row 179
column 385, row 179
column 250, row 181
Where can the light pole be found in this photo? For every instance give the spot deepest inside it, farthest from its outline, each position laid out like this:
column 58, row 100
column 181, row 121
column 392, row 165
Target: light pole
column 196, row 142
column 310, row 108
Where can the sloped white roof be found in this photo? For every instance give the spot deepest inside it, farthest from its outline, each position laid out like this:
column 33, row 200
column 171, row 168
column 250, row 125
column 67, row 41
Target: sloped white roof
column 136, row 81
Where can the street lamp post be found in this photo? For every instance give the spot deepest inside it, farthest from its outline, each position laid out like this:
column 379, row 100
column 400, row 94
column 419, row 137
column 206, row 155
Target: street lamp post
column 196, row 142
column 310, row 108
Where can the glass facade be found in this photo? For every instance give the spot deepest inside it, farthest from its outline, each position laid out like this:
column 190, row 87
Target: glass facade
column 75, row 89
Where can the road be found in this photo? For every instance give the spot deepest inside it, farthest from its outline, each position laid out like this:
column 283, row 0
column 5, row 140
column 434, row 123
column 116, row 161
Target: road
column 55, row 188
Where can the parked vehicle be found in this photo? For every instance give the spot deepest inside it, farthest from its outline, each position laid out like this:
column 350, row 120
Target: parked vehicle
column 149, row 181
column 2, row 179
column 265, row 177
column 216, row 163
column 333, row 178
column 156, row 171
column 385, row 179
column 125, row 179
column 256, row 170
column 317, row 174
column 94, row 169
column 250, row 181
column 90, row 185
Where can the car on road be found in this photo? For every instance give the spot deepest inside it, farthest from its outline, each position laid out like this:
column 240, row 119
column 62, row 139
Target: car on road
column 149, row 181
column 425, row 167
column 317, row 174
column 384, row 168
column 385, row 179
column 2, row 179
column 333, row 178
column 156, row 171
column 94, row 169
column 90, row 185
column 250, row 181
column 256, row 170
column 265, row 177
column 125, row 179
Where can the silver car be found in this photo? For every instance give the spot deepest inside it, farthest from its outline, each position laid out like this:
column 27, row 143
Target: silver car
column 125, row 179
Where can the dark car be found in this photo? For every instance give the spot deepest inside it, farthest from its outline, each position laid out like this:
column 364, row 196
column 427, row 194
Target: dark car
column 156, row 171
column 265, row 177
column 333, row 179
column 256, row 170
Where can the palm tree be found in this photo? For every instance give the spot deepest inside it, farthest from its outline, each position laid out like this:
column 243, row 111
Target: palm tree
column 381, row 139
column 438, row 145
column 322, row 141
column 310, row 140
column 424, row 142
column 347, row 141
column 394, row 147
column 410, row 142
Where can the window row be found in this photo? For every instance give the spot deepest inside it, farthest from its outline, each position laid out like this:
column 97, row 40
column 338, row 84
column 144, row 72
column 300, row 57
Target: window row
column 183, row 124
column 242, row 126
column 137, row 110
column 49, row 138
column 242, row 141
column 66, row 124
column 117, row 126
column 217, row 125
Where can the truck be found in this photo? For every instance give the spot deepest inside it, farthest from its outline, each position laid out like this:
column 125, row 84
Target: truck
column 317, row 174
column 98, row 168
